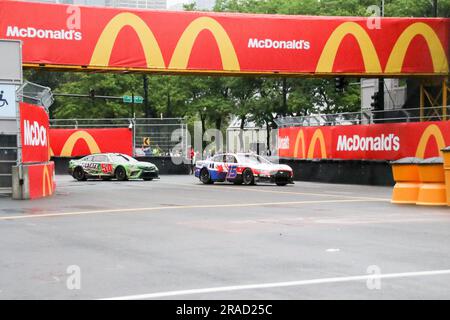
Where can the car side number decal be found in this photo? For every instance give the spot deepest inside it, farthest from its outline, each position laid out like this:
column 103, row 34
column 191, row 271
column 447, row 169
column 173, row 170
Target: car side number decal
column 232, row 172
column 106, row 168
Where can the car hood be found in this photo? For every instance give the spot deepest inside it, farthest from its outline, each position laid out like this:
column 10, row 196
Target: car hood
column 143, row 164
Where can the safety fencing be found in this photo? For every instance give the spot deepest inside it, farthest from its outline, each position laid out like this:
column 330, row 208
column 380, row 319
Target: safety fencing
column 134, row 136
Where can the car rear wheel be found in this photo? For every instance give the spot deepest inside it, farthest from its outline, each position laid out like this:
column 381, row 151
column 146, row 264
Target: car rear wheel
column 247, row 177
column 79, row 174
column 205, row 177
column 121, row 174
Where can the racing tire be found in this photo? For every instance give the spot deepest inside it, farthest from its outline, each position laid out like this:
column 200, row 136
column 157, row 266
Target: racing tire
column 247, row 177
column 121, row 174
column 205, row 177
column 147, row 179
column 79, row 174
column 281, row 184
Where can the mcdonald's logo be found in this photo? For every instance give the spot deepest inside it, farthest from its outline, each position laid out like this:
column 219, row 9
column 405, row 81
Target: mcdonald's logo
column 73, row 139
column 316, row 137
column 431, row 131
column 152, row 51
column 47, row 182
column 369, row 54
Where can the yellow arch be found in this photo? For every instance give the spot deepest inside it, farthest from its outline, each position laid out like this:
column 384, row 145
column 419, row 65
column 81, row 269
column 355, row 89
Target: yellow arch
column 300, row 138
column 431, row 131
column 74, row 137
column 105, row 44
column 318, row 135
column 46, row 178
column 369, row 54
column 437, row 52
column 180, row 57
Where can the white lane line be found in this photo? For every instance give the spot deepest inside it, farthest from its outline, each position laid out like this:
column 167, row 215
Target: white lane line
column 281, row 284
column 175, row 207
column 252, row 188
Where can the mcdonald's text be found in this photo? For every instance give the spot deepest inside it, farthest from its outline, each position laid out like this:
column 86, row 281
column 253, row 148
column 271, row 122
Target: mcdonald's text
column 34, row 131
column 16, row 32
column 34, row 134
column 278, row 44
column 357, row 143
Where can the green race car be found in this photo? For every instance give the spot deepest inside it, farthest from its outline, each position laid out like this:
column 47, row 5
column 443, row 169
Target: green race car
column 112, row 165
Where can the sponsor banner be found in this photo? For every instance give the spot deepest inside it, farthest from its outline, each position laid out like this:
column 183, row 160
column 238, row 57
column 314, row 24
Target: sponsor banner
column 41, row 179
column 371, row 142
column 82, row 142
column 34, row 129
column 57, row 35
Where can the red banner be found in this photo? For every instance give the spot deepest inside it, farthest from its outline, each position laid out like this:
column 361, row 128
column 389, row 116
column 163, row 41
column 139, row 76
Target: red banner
column 34, row 128
column 82, row 142
column 41, row 180
column 372, row 142
column 57, row 36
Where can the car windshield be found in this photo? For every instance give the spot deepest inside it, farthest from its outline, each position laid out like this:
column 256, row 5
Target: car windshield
column 122, row 158
column 252, row 158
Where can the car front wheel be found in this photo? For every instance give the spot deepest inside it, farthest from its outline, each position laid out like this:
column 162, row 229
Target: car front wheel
column 205, row 177
column 121, row 174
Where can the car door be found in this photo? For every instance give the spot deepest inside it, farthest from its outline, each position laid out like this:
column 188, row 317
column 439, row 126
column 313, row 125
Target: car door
column 232, row 165
column 98, row 163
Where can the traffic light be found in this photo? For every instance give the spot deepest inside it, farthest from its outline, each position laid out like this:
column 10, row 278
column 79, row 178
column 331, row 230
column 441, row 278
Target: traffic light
column 339, row 84
column 375, row 101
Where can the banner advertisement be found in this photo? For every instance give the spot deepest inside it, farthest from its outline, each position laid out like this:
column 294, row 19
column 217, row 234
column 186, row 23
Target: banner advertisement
column 92, row 38
column 82, row 142
column 41, row 180
column 365, row 142
column 34, row 129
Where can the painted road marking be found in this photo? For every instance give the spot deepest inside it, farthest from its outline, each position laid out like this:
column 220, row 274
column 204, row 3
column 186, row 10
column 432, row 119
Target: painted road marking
column 252, row 188
column 175, row 207
column 281, row 284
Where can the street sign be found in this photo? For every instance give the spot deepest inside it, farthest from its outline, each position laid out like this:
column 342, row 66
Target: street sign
column 129, row 99
column 146, row 142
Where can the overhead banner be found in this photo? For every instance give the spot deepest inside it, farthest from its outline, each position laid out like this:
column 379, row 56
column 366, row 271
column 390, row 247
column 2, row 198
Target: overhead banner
column 365, row 142
column 94, row 38
column 34, row 128
column 82, row 142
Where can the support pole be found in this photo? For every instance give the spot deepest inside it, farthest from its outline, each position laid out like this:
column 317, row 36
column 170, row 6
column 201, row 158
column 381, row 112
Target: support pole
column 422, row 102
column 444, row 99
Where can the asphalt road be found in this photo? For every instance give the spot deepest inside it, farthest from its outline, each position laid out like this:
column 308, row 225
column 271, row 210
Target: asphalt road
column 154, row 239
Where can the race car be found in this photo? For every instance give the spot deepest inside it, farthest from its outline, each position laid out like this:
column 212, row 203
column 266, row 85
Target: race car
column 112, row 165
column 242, row 168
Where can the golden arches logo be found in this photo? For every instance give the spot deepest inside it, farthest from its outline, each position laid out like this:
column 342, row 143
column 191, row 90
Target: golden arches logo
column 74, row 137
column 46, row 186
column 431, row 131
column 152, row 51
column 317, row 137
column 369, row 53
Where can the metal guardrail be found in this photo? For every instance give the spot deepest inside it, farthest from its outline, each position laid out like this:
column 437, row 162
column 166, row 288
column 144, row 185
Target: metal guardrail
column 366, row 117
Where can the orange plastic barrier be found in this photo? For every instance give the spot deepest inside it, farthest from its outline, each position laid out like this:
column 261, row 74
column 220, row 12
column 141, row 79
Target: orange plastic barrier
column 432, row 190
column 406, row 176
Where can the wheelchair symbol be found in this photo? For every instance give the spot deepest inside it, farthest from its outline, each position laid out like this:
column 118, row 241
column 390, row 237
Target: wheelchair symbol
column 3, row 102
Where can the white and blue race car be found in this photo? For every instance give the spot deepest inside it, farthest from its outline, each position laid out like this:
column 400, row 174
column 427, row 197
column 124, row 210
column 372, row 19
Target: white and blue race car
column 242, row 168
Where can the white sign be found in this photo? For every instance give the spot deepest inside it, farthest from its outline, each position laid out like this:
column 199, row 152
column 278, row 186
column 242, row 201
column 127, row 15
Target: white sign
column 8, row 101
